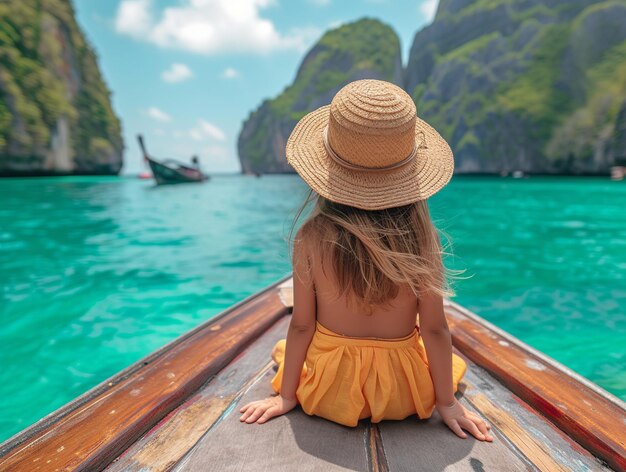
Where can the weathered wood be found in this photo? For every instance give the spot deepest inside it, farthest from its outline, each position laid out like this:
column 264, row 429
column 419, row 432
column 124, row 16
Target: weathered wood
column 429, row 445
column 523, row 439
column 586, row 413
column 163, row 446
column 528, row 441
column 595, row 419
column 525, row 430
column 509, row 426
column 377, row 457
column 92, row 435
column 291, row 442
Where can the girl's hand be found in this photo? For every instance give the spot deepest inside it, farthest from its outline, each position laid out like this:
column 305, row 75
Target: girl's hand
column 262, row 410
column 456, row 416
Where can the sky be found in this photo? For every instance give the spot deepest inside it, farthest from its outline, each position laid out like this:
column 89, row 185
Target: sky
column 187, row 73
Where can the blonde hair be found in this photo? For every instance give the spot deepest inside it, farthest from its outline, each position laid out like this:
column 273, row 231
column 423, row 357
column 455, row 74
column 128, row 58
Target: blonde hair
column 370, row 254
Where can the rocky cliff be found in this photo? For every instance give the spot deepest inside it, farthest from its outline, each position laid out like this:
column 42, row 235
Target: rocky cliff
column 534, row 85
column 55, row 110
column 359, row 50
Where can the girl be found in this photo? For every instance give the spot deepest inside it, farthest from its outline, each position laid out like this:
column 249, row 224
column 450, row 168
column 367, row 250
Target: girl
column 367, row 262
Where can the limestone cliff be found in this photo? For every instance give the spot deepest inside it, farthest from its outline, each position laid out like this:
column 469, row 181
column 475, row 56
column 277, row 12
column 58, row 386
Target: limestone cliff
column 533, row 85
column 364, row 49
column 55, row 110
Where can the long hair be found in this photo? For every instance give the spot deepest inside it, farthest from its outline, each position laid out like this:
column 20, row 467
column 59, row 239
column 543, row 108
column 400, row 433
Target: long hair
column 370, row 254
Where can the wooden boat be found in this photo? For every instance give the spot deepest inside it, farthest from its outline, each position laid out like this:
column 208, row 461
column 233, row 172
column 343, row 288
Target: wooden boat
column 177, row 409
column 171, row 171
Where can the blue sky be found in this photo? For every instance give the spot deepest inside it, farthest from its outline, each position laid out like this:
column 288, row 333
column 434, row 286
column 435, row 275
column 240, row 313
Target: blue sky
column 187, row 73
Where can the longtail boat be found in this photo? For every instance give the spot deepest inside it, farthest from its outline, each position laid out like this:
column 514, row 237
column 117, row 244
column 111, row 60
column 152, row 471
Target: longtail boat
column 177, row 409
column 171, row 171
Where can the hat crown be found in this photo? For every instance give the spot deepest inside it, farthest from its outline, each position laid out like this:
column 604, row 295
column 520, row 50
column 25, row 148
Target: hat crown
column 372, row 124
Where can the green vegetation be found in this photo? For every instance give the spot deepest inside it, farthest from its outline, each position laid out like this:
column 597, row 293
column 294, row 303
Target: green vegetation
column 366, row 44
column 518, row 9
column 511, row 84
column 256, row 149
column 480, row 6
column 49, row 72
column 534, row 95
column 606, row 89
column 541, row 81
column 364, row 48
column 467, row 49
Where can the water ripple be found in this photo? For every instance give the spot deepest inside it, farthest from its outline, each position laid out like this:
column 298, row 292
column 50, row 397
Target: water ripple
column 97, row 272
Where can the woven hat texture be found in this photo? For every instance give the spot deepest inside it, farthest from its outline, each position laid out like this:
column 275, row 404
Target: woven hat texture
column 369, row 149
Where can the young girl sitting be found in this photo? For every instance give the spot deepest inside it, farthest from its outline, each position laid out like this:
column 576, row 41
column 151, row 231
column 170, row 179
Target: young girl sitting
column 367, row 265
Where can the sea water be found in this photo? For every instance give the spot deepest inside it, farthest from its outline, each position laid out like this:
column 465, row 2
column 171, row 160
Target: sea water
column 96, row 273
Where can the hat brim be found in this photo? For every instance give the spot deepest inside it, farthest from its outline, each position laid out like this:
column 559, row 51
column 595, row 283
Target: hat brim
column 420, row 178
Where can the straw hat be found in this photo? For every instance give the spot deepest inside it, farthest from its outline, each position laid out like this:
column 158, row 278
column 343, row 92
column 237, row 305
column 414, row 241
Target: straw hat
column 368, row 149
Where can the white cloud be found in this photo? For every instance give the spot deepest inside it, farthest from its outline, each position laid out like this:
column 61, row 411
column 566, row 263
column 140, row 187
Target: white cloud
column 133, row 17
column 158, row 115
column 429, row 8
column 204, row 130
column 208, row 26
column 230, row 73
column 177, row 73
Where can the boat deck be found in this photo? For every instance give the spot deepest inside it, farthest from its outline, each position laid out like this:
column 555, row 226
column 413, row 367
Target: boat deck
column 189, row 421
column 205, row 432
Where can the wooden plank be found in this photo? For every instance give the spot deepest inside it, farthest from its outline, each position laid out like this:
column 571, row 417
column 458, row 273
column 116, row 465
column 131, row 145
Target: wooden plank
column 165, row 444
column 377, row 456
column 525, row 430
column 294, row 441
column 586, row 413
column 92, row 435
column 523, row 439
column 429, row 445
column 538, row 453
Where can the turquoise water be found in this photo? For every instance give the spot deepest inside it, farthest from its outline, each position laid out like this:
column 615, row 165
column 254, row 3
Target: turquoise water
column 97, row 272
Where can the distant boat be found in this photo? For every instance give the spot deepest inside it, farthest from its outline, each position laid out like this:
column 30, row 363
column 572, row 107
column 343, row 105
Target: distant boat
column 171, row 171
column 618, row 172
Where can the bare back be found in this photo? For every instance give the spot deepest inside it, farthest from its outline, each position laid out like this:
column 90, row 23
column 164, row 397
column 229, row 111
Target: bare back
column 395, row 320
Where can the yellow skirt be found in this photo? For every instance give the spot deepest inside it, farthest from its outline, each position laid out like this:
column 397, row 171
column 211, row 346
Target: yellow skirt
column 345, row 379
